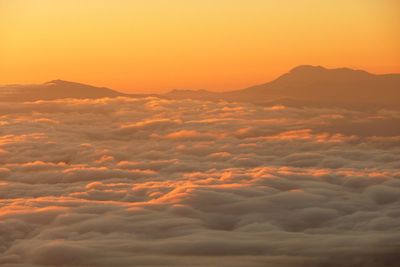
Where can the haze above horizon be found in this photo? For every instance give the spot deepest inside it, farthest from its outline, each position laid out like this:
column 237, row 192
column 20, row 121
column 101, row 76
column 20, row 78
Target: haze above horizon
column 157, row 45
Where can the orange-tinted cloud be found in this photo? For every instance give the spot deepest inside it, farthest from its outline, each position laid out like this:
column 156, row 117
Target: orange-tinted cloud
column 122, row 181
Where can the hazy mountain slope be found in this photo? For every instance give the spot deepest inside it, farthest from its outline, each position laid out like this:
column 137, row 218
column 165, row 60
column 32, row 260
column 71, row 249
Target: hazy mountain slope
column 56, row 89
column 302, row 86
column 309, row 85
column 330, row 86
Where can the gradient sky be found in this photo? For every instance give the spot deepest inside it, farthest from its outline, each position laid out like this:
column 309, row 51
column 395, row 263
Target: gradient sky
column 157, row 45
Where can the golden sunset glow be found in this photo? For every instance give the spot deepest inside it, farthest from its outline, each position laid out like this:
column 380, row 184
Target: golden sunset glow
column 157, row 45
column 204, row 133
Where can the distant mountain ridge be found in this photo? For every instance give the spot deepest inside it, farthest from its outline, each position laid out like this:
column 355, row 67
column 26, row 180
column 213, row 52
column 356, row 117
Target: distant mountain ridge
column 304, row 85
column 54, row 90
column 316, row 86
column 309, row 83
column 57, row 89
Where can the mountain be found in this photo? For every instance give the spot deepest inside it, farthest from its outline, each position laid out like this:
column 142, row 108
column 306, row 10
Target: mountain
column 302, row 86
column 319, row 85
column 315, row 86
column 56, row 89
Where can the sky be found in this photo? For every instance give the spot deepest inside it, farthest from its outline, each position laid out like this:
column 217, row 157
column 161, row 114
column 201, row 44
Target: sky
column 307, row 174
column 158, row 45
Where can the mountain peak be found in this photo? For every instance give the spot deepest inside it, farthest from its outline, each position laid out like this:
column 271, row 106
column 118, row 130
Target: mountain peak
column 60, row 82
column 318, row 70
column 54, row 89
column 56, row 81
column 306, row 68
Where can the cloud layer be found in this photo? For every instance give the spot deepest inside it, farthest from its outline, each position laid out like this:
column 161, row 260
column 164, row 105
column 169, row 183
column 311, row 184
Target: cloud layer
column 152, row 182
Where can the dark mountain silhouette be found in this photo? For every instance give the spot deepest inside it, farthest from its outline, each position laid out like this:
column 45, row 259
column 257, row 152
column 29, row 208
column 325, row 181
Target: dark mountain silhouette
column 302, row 86
column 315, row 86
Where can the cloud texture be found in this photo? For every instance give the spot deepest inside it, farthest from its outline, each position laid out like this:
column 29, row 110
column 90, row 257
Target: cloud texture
column 153, row 182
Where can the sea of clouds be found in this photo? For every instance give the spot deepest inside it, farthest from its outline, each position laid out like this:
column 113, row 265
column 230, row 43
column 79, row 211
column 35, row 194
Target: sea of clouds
column 156, row 182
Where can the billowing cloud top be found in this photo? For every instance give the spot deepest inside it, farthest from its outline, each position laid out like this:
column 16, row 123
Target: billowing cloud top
column 155, row 182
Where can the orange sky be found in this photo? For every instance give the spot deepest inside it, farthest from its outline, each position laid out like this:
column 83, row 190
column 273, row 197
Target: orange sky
column 157, row 45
